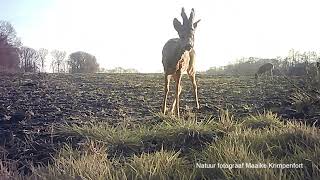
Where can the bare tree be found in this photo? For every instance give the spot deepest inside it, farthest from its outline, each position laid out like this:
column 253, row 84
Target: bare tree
column 29, row 59
column 42, row 57
column 82, row 62
column 8, row 34
column 58, row 59
column 9, row 44
column 53, row 66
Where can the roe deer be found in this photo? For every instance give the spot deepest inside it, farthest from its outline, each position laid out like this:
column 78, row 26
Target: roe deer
column 178, row 58
column 266, row 68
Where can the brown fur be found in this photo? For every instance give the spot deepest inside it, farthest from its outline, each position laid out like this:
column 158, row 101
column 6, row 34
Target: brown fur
column 178, row 58
column 268, row 67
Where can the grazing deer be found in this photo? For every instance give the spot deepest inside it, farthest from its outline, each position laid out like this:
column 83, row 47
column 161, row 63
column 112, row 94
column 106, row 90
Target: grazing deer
column 178, row 58
column 266, row 68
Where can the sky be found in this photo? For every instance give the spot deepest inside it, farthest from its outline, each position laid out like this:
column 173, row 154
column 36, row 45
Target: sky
column 132, row 33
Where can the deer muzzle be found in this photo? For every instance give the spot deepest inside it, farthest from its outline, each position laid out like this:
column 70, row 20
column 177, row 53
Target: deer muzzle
column 188, row 47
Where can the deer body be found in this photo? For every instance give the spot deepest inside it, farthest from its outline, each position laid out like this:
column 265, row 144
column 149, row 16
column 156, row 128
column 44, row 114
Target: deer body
column 266, row 68
column 175, row 58
column 178, row 58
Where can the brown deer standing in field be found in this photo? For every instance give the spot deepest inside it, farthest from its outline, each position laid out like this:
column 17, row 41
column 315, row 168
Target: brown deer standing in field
column 178, row 58
column 266, row 68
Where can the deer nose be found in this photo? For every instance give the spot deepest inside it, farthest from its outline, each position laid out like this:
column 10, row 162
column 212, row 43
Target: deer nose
column 188, row 47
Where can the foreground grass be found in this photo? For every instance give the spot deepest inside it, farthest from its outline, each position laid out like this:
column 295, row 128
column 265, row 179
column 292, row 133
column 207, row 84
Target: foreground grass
column 170, row 133
column 294, row 143
column 178, row 149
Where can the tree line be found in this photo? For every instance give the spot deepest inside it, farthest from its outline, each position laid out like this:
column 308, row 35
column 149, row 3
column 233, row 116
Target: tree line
column 14, row 57
column 296, row 63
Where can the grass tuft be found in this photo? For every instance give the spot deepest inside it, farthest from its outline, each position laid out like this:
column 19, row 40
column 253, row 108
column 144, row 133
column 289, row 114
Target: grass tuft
column 159, row 165
column 261, row 121
column 74, row 164
column 171, row 134
column 294, row 143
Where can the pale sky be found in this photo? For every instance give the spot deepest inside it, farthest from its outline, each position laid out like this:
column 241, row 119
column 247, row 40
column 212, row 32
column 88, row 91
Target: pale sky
column 132, row 33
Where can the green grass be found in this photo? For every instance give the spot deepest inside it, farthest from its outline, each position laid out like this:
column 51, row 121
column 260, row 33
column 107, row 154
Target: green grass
column 74, row 164
column 119, row 139
column 171, row 149
column 170, row 133
column 292, row 143
column 261, row 121
column 159, row 165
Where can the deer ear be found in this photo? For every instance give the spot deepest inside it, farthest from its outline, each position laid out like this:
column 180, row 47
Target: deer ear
column 196, row 23
column 177, row 24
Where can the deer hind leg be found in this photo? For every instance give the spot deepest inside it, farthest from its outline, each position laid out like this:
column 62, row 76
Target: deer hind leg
column 166, row 92
column 195, row 88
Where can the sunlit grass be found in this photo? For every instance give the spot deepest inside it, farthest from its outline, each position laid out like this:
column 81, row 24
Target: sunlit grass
column 159, row 165
column 74, row 164
column 119, row 139
column 265, row 120
column 170, row 134
column 294, row 143
column 171, row 148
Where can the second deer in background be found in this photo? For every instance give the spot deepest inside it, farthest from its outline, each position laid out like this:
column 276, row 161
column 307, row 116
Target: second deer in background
column 265, row 69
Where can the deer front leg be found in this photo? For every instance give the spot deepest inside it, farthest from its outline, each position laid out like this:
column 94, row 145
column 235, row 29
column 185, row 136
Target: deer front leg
column 166, row 92
column 195, row 88
column 177, row 95
column 174, row 102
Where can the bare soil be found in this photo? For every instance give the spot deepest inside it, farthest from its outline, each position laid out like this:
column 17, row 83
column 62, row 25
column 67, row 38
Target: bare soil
column 32, row 104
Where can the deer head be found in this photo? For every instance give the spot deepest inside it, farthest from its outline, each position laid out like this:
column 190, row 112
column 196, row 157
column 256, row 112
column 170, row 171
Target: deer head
column 186, row 29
